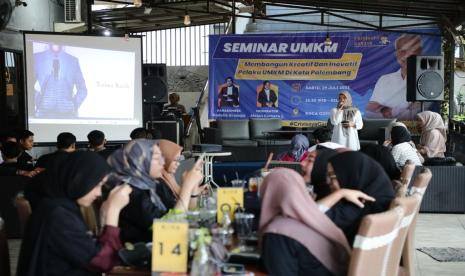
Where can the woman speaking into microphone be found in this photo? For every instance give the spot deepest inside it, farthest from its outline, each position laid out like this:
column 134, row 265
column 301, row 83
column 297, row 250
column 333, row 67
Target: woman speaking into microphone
column 346, row 120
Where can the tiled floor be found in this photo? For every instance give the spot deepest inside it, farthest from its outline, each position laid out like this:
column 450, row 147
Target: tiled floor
column 439, row 230
column 433, row 230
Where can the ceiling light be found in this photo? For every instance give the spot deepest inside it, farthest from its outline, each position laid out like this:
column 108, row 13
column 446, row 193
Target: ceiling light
column 106, row 33
column 147, row 11
column 187, row 19
column 328, row 41
column 137, row 3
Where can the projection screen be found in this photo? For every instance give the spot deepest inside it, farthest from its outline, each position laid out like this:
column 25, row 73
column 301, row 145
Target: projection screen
column 78, row 83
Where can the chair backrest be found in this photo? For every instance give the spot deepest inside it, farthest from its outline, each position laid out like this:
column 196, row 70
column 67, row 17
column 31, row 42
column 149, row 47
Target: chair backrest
column 23, row 208
column 373, row 242
column 411, row 205
column 407, row 172
column 234, row 129
column 4, row 253
column 420, row 183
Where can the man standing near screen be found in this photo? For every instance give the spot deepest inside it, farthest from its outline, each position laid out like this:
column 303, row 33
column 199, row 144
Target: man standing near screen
column 59, row 86
column 389, row 98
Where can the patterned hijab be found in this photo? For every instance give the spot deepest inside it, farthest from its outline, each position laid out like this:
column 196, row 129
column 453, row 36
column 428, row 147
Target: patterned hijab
column 132, row 165
column 299, row 146
column 287, row 209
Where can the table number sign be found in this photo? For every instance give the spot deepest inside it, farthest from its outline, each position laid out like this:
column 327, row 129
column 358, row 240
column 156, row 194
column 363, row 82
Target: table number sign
column 227, row 200
column 169, row 246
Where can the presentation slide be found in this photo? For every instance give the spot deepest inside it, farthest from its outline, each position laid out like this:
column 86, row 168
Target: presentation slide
column 79, row 83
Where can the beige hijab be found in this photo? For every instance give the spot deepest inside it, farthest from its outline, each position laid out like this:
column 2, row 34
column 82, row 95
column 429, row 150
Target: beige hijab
column 170, row 151
column 287, row 209
column 433, row 136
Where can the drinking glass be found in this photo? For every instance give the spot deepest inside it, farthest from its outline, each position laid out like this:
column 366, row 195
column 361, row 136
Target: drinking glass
column 244, row 224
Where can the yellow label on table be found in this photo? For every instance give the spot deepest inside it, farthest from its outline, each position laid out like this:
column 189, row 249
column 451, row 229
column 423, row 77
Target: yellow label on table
column 227, row 199
column 169, row 247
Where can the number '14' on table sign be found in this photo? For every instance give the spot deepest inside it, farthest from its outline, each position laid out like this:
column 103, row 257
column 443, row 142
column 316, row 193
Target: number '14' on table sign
column 169, row 246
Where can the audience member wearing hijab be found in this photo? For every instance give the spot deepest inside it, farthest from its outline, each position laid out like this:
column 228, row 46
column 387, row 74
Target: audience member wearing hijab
column 298, row 151
column 356, row 171
column 403, row 149
column 298, row 239
column 169, row 190
column 314, row 169
column 346, row 120
column 383, row 156
column 140, row 164
column 433, row 134
column 56, row 241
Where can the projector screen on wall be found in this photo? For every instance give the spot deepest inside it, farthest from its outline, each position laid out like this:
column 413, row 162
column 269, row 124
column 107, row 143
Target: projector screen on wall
column 79, row 83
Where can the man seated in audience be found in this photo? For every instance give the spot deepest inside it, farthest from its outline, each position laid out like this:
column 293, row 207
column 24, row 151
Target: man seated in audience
column 322, row 137
column 66, row 143
column 25, row 139
column 139, row 133
column 6, row 137
column 97, row 143
column 10, row 153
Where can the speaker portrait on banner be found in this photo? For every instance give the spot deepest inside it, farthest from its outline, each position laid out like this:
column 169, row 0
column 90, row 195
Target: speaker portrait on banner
column 389, row 98
column 267, row 95
column 228, row 95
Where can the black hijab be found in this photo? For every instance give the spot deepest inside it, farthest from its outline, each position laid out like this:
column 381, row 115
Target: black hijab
column 384, row 157
column 318, row 175
column 355, row 170
column 399, row 135
column 71, row 178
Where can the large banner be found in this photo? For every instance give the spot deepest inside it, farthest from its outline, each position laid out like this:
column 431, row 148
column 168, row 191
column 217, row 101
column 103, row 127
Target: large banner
column 297, row 76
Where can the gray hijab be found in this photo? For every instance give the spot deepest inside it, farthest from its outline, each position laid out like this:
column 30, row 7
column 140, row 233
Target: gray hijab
column 299, row 146
column 132, row 165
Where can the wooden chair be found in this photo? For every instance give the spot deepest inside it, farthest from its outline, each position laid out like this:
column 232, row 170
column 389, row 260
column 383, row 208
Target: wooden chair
column 373, row 242
column 4, row 253
column 23, row 208
column 411, row 205
column 419, row 186
column 405, row 177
